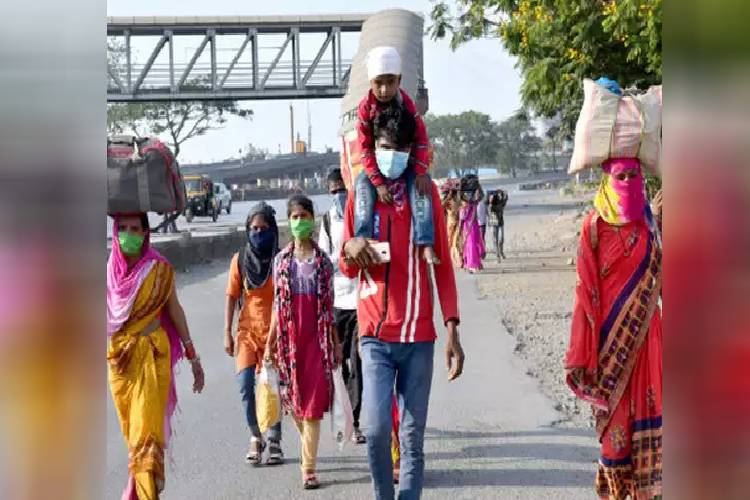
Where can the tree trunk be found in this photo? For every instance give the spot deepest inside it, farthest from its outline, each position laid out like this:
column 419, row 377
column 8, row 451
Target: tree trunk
column 554, row 156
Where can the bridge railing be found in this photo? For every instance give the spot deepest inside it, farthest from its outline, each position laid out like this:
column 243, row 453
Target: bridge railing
column 217, row 58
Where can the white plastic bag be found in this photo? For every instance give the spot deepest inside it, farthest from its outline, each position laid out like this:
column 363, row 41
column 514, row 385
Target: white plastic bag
column 342, row 419
column 267, row 397
column 611, row 126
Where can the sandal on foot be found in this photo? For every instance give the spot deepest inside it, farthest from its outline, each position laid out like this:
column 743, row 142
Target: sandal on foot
column 255, row 453
column 396, row 476
column 310, row 481
column 275, row 455
column 358, row 437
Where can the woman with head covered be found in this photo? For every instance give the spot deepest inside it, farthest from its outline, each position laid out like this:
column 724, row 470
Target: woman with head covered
column 614, row 356
column 250, row 289
column 148, row 334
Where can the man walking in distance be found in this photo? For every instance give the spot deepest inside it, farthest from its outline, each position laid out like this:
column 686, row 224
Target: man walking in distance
column 497, row 201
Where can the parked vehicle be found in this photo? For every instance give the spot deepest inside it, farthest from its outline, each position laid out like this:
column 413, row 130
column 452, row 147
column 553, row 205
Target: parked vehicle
column 201, row 200
column 223, row 197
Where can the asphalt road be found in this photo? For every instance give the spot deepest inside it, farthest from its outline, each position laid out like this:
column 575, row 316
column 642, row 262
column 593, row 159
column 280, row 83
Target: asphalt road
column 240, row 209
column 490, row 434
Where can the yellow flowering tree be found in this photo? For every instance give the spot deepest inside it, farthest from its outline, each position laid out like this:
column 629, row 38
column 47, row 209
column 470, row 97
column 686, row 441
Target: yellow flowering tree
column 560, row 42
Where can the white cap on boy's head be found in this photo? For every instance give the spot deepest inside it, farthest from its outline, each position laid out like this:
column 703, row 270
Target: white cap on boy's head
column 383, row 61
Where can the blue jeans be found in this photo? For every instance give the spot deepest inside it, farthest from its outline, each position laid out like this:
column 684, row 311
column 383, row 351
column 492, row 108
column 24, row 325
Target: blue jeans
column 246, row 380
column 421, row 209
column 409, row 367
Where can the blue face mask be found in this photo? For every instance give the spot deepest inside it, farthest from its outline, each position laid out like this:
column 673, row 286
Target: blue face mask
column 391, row 163
column 261, row 240
column 339, row 201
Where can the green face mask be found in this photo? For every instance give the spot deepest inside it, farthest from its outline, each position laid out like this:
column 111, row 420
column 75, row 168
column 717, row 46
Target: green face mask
column 130, row 244
column 301, row 228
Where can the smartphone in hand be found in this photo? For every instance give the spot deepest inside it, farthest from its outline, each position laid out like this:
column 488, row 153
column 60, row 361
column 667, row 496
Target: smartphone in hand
column 383, row 249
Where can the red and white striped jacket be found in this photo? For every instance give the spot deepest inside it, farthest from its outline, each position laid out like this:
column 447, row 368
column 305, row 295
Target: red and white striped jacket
column 396, row 299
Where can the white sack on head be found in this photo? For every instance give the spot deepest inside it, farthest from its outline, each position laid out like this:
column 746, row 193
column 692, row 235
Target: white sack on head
column 611, row 126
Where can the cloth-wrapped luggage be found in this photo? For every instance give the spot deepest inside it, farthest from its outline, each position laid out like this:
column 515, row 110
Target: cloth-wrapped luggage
column 615, row 126
column 142, row 176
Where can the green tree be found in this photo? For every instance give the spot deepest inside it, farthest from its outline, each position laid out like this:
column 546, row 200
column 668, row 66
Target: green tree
column 560, row 42
column 461, row 143
column 518, row 145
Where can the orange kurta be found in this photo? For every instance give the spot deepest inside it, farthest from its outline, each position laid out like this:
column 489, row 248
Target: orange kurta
column 254, row 318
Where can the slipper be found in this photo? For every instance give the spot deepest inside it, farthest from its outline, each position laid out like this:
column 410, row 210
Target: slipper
column 275, row 455
column 255, row 453
column 310, row 482
column 358, row 437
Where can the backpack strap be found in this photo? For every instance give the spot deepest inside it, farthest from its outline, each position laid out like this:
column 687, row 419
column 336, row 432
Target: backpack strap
column 327, row 229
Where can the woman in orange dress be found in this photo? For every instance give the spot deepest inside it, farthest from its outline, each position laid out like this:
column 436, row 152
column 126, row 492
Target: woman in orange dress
column 250, row 291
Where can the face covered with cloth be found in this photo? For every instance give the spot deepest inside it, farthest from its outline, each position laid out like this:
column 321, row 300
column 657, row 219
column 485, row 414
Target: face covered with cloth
column 621, row 197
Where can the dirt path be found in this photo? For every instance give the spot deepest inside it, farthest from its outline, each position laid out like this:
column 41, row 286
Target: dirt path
column 532, row 290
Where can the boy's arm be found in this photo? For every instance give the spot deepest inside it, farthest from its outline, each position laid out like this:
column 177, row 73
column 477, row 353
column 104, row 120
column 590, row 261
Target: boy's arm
column 420, row 144
column 367, row 143
column 421, row 147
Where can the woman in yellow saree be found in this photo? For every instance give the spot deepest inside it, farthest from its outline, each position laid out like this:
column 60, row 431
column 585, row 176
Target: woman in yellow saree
column 147, row 334
column 449, row 193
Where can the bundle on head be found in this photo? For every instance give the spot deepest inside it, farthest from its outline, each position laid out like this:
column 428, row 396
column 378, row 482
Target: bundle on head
column 469, row 186
column 334, row 175
column 449, row 185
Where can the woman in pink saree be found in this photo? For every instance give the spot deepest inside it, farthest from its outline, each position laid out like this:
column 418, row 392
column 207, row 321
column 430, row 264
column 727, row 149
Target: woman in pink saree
column 472, row 234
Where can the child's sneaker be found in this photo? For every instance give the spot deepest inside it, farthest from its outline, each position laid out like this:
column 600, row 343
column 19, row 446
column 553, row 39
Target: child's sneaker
column 429, row 255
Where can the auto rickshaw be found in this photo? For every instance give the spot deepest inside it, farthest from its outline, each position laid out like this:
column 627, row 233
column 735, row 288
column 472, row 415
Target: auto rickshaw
column 200, row 198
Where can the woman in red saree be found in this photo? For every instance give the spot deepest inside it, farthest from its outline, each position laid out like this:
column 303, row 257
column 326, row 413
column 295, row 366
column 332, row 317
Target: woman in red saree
column 614, row 356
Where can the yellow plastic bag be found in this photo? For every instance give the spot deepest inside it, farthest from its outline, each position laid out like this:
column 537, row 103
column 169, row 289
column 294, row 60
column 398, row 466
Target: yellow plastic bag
column 267, row 400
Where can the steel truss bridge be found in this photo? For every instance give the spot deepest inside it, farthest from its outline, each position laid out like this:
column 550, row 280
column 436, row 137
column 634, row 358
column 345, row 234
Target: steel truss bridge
column 228, row 57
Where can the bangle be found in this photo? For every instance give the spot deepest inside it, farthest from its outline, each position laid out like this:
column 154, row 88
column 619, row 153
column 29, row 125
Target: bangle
column 187, row 343
column 196, row 359
column 190, row 353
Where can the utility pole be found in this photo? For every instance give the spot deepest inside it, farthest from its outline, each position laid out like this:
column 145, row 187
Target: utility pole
column 309, row 129
column 291, row 129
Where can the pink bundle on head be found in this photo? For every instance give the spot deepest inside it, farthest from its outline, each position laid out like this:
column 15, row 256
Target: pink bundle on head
column 621, row 197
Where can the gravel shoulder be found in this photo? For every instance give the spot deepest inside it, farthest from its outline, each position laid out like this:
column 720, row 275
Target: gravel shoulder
column 532, row 291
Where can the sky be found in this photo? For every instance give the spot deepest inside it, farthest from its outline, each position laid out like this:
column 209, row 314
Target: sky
column 479, row 75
